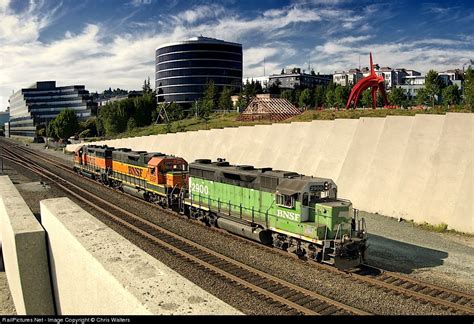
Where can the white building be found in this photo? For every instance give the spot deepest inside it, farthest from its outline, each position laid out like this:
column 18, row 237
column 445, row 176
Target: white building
column 411, row 84
column 453, row 77
column 348, row 78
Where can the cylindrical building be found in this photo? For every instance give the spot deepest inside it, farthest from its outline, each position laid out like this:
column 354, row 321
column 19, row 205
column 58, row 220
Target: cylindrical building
column 183, row 69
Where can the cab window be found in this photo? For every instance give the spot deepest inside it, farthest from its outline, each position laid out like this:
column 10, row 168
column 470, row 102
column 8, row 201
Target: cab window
column 305, row 199
column 286, row 201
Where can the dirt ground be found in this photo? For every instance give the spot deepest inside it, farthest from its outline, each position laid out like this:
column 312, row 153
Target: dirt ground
column 443, row 259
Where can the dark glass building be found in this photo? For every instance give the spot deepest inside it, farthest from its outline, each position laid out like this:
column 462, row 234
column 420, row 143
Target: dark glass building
column 183, row 69
column 42, row 102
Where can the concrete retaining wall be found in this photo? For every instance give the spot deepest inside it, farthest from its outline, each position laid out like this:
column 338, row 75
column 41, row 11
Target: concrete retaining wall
column 96, row 271
column 417, row 167
column 24, row 254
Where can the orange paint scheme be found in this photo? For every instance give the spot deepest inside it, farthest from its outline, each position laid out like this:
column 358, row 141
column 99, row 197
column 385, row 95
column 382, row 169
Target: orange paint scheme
column 130, row 170
column 78, row 156
column 161, row 166
column 176, row 179
column 97, row 162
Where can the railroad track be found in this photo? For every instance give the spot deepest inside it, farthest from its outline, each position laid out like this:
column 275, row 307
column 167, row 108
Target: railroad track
column 454, row 301
column 294, row 299
column 457, row 301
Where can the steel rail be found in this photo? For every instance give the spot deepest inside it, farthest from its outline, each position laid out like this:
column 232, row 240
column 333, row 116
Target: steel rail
column 415, row 288
column 270, row 281
column 441, row 294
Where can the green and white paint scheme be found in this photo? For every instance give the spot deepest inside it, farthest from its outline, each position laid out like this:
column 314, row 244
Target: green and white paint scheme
column 305, row 208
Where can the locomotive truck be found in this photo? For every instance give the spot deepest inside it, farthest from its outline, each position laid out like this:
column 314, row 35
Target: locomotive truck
column 287, row 210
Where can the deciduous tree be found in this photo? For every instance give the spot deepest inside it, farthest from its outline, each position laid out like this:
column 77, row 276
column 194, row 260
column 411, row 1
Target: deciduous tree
column 66, row 124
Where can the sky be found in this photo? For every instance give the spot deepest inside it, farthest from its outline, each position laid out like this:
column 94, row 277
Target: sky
column 111, row 43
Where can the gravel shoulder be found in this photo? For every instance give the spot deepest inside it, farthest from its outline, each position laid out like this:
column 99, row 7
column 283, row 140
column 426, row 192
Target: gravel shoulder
column 444, row 259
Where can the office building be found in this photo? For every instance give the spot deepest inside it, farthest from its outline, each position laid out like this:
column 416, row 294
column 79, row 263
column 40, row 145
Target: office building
column 294, row 78
column 183, row 69
column 35, row 106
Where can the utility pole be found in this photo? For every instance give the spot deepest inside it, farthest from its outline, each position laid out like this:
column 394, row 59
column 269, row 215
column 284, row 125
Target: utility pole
column 264, row 72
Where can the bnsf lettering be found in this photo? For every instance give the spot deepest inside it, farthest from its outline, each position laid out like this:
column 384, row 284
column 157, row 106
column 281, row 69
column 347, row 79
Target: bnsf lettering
column 137, row 172
column 288, row 215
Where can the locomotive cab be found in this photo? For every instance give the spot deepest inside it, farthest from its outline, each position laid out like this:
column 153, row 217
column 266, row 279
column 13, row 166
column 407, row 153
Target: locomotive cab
column 168, row 170
column 78, row 155
column 323, row 219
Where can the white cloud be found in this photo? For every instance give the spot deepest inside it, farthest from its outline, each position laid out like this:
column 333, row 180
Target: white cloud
column 421, row 55
column 18, row 28
column 199, row 12
column 137, row 3
column 353, row 39
column 100, row 59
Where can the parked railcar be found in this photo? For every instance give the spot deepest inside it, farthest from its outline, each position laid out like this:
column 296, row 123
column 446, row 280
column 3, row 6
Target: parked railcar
column 293, row 212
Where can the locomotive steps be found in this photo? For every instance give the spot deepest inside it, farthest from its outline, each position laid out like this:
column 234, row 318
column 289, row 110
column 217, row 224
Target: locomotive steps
column 412, row 167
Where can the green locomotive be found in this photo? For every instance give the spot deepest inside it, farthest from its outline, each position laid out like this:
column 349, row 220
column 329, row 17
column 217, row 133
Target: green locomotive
column 290, row 211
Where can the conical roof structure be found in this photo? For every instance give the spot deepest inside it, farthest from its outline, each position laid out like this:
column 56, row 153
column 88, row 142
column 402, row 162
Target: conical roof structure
column 267, row 107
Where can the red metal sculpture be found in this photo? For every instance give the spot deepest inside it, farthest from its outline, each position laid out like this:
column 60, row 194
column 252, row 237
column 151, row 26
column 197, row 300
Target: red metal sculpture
column 372, row 81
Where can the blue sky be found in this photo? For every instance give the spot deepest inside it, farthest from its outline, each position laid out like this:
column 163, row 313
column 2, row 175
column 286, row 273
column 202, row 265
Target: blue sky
column 111, row 43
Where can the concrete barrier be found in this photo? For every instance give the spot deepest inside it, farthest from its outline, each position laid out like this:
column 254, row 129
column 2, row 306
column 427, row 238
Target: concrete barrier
column 309, row 150
column 400, row 166
column 334, row 152
column 24, row 254
column 385, row 165
column 416, row 168
column 449, row 159
column 96, row 271
column 355, row 169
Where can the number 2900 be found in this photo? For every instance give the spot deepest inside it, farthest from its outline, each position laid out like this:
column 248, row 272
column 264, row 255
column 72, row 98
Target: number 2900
column 199, row 188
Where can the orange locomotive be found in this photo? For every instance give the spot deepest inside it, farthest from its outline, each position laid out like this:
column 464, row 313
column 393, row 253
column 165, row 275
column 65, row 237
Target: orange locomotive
column 155, row 177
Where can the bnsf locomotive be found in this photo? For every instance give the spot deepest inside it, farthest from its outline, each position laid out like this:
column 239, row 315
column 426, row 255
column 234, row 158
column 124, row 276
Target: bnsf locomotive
column 293, row 212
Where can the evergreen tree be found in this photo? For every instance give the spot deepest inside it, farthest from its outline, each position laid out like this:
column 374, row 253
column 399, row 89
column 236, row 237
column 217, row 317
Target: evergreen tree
column 330, row 99
column 51, row 129
column 225, row 101
column 451, row 95
column 175, row 112
column 396, row 96
column 341, row 95
column 469, row 88
column 131, row 124
column 433, row 86
column 241, row 102
column 209, row 99
column 366, row 99
column 258, row 87
column 288, row 95
column 319, row 96
column 275, row 87
column 422, row 97
column 146, row 86
column 304, row 98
